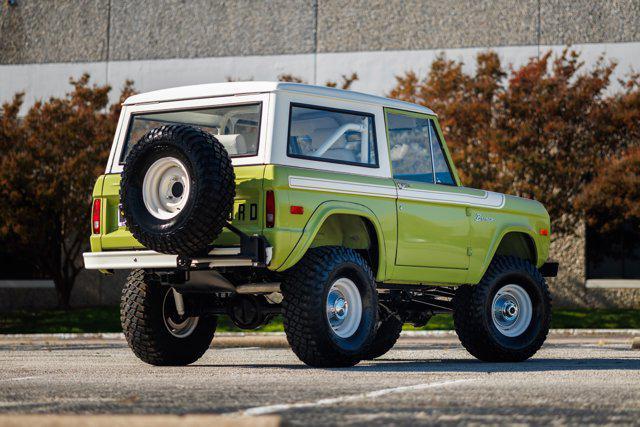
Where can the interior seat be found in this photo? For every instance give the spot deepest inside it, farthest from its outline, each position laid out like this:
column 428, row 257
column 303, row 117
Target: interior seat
column 234, row 143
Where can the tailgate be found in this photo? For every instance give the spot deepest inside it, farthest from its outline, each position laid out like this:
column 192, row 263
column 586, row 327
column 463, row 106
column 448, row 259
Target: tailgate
column 247, row 210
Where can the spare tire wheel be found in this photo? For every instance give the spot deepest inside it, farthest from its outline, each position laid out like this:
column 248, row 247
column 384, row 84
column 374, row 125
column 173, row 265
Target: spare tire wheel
column 177, row 190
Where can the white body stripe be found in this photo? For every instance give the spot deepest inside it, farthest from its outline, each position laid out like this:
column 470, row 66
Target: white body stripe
column 345, row 187
column 488, row 199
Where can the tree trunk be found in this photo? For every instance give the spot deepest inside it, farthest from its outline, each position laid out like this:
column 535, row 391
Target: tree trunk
column 63, row 291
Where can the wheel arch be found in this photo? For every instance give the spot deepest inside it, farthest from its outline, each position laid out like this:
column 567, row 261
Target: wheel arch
column 515, row 241
column 518, row 244
column 336, row 223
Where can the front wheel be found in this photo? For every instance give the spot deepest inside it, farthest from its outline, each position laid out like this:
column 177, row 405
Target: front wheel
column 154, row 329
column 505, row 317
column 330, row 307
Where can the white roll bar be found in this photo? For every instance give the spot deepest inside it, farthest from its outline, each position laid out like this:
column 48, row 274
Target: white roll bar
column 338, row 133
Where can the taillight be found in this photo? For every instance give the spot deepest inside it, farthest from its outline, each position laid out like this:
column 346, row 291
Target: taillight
column 95, row 217
column 270, row 209
column 544, row 231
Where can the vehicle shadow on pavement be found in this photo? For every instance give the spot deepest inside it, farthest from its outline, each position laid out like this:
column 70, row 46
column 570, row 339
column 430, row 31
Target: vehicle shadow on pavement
column 459, row 365
column 532, row 365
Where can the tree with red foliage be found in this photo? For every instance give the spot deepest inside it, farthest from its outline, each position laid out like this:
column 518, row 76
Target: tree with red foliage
column 49, row 161
column 345, row 84
column 613, row 197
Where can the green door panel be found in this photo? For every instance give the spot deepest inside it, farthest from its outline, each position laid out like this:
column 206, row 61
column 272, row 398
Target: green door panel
column 433, row 230
column 431, row 234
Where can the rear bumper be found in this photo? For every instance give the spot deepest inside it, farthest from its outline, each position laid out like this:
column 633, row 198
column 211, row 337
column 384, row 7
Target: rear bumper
column 549, row 269
column 126, row 260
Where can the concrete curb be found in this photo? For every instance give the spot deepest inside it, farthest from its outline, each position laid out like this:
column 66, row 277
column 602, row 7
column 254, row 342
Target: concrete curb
column 412, row 334
column 51, row 420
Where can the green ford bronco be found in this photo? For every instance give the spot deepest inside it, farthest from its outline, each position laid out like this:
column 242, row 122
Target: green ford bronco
column 338, row 210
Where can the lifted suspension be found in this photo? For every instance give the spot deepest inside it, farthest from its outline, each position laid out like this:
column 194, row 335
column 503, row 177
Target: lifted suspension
column 416, row 304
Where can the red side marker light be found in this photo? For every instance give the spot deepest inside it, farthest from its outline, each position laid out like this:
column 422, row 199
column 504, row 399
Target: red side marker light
column 270, row 218
column 296, row 210
column 544, row 232
column 95, row 217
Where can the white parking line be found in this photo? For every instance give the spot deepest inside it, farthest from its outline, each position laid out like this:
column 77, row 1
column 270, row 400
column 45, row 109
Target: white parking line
column 20, row 378
column 238, row 348
column 270, row 409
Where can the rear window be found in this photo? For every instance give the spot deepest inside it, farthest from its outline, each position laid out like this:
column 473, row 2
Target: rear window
column 237, row 127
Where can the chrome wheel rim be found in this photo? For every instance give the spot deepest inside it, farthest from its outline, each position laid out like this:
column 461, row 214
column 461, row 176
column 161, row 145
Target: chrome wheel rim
column 512, row 310
column 178, row 326
column 165, row 188
column 344, row 307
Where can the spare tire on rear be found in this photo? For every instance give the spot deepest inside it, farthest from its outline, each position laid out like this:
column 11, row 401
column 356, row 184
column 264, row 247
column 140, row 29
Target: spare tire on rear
column 177, row 190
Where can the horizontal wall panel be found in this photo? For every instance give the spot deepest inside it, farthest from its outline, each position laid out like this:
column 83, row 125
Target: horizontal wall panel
column 154, row 29
column 588, row 21
column 366, row 25
column 376, row 69
column 35, row 31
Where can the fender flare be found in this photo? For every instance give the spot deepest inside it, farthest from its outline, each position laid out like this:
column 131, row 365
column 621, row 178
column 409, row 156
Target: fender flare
column 317, row 219
column 512, row 228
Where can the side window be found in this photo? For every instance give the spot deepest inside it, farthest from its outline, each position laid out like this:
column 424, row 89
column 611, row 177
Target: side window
column 332, row 135
column 409, row 147
column 442, row 171
column 416, row 151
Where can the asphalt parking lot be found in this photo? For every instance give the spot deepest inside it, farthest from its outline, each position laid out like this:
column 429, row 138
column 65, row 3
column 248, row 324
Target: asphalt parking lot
column 578, row 379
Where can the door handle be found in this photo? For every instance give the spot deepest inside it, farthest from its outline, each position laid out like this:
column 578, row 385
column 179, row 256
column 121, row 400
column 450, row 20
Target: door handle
column 402, row 185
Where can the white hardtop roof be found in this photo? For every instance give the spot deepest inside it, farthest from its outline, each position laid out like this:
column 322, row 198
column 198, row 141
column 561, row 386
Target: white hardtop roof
column 212, row 90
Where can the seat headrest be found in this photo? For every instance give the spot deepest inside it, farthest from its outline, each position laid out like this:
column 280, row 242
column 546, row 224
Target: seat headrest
column 234, row 143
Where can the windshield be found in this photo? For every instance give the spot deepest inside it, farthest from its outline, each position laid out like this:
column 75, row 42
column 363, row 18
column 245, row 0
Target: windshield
column 237, row 127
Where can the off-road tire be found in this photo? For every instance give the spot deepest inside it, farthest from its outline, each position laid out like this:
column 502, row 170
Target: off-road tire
column 144, row 327
column 473, row 318
column 305, row 290
column 210, row 201
column 386, row 336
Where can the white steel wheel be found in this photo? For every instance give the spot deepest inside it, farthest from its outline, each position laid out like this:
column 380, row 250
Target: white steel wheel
column 177, row 325
column 165, row 188
column 511, row 310
column 344, row 307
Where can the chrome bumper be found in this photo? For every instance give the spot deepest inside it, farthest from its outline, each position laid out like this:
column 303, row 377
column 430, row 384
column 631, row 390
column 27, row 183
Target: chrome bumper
column 125, row 260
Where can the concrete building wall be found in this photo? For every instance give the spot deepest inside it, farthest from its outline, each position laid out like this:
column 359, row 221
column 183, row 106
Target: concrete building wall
column 160, row 43
column 36, row 31
column 164, row 43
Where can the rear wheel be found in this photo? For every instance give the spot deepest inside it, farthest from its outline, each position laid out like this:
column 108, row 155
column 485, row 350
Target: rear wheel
column 154, row 329
column 387, row 335
column 330, row 307
column 505, row 317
